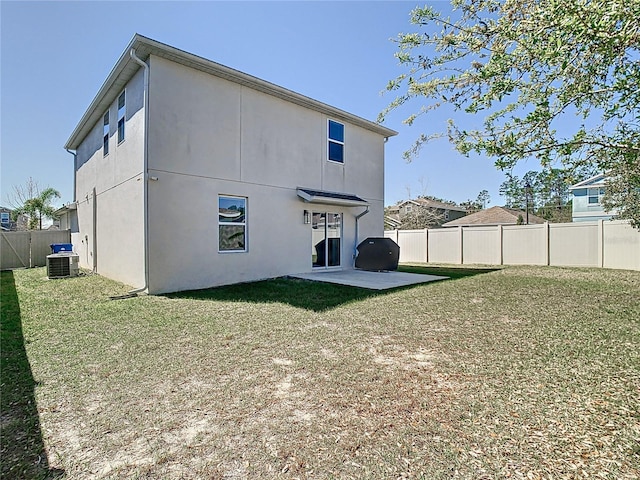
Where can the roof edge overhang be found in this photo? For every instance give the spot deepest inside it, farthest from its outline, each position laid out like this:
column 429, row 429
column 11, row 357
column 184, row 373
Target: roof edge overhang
column 126, row 67
column 598, row 180
column 330, row 198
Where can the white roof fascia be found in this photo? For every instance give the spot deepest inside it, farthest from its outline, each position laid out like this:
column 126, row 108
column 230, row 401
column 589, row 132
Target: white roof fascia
column 595, row 181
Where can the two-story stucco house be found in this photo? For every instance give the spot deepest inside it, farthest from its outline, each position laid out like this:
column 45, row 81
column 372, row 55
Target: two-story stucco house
column 190, row 174
column 587, row 200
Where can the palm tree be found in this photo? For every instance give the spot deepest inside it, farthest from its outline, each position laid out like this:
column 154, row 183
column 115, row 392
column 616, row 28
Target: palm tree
column 37, row 207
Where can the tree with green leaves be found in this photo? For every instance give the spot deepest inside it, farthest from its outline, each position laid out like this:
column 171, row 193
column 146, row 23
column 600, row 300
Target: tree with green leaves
column 37, row 207
column 546, row 192
column 554, row 80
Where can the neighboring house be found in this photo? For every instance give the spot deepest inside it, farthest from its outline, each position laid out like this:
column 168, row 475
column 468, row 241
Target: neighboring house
column 441, row 212
column 189, row 174
column 587, row 200
column 7, row 224
column 66, row 218
column 495, row 216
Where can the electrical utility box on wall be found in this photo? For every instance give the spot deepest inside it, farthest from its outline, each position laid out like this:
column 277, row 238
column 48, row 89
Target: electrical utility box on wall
column 61, row 265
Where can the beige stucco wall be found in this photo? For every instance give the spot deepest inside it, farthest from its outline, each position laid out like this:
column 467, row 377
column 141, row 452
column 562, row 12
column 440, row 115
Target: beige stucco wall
column 109, row 193
column 209, row 137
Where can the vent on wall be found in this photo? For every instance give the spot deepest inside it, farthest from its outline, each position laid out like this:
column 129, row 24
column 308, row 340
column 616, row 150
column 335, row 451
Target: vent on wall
column 60, row 265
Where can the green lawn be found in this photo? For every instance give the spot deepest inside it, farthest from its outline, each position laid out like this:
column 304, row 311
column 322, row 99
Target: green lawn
column 520, row 372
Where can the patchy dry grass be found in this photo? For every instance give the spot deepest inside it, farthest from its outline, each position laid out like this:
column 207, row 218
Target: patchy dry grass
column 516, row 373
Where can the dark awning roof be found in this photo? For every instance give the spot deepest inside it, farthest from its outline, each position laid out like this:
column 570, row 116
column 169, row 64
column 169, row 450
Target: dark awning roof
column 332, row 198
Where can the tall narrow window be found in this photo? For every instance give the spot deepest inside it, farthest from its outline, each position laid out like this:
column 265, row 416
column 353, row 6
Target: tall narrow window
column 121, row 115
column 232, row 224
column 105, row 134
column 335, row 148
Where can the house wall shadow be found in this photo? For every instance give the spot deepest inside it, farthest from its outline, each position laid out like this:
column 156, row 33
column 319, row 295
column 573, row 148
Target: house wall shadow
column 315, row 296
column 21, row 445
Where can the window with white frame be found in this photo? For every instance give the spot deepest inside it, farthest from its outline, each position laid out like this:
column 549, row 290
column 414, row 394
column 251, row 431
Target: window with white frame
column 232, row 224
column 594, row 196
column 105, row 134
column 121, row 116
column 335, row 148
column 4, row 217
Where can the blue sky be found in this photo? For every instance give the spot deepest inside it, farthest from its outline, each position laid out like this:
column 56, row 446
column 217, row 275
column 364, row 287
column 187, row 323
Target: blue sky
column 56, row 55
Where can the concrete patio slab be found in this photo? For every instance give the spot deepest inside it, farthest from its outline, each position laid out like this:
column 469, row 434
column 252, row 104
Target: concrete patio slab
column 370, row 280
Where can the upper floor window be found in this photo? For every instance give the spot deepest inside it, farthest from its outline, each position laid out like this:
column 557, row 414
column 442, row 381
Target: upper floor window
column 232, row 224
column 595, row 196
column 105, row 134
column 121, row 115
column 336, row 142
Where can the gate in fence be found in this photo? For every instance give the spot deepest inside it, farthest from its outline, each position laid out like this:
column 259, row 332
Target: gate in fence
column 29, row 249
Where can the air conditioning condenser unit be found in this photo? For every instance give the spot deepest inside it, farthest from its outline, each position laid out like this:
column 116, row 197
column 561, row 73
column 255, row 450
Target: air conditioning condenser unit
column 61, row 265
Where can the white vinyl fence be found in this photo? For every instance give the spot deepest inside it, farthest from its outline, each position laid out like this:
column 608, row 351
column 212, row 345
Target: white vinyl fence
column 605, row 244
column 29, row 249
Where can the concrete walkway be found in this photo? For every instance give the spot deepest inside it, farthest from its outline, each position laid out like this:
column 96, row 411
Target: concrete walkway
column 370, row 280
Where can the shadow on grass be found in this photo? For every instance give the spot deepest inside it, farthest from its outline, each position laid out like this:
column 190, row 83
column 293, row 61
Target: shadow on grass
column 453, row 273
column 310, row 295
column 21, row 445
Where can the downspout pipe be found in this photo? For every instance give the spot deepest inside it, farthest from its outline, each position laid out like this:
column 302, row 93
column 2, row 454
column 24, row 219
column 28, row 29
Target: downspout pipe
column 355, row 247
column 75, row 169
column 145, row 173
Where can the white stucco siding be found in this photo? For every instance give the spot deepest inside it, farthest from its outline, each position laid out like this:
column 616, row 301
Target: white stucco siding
column 183, row 234
column 114, row 182
column 211, row 137
column 281, row 142
column 195, row 122
column 364, row 160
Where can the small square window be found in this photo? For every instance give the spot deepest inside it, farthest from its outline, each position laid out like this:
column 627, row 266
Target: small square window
column 594, row 196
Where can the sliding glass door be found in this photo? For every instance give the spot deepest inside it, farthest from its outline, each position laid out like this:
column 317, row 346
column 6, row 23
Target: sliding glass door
column 326, row 236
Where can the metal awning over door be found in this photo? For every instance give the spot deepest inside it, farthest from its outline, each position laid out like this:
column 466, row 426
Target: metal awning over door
column 331, row 198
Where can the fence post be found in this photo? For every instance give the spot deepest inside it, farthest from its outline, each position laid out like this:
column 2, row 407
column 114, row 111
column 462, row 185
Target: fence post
column 426, row 245
column 601, row 243
column 461, row 244
column 547, row 253
column 501, row 245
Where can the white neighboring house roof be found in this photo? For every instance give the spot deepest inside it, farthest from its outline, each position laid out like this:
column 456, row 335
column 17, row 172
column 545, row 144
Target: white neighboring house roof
column 593, row 182
column 65, row 208
column 126, row 67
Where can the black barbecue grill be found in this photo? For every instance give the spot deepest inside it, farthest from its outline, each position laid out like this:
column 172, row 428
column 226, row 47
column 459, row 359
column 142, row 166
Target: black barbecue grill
column 377, row 254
